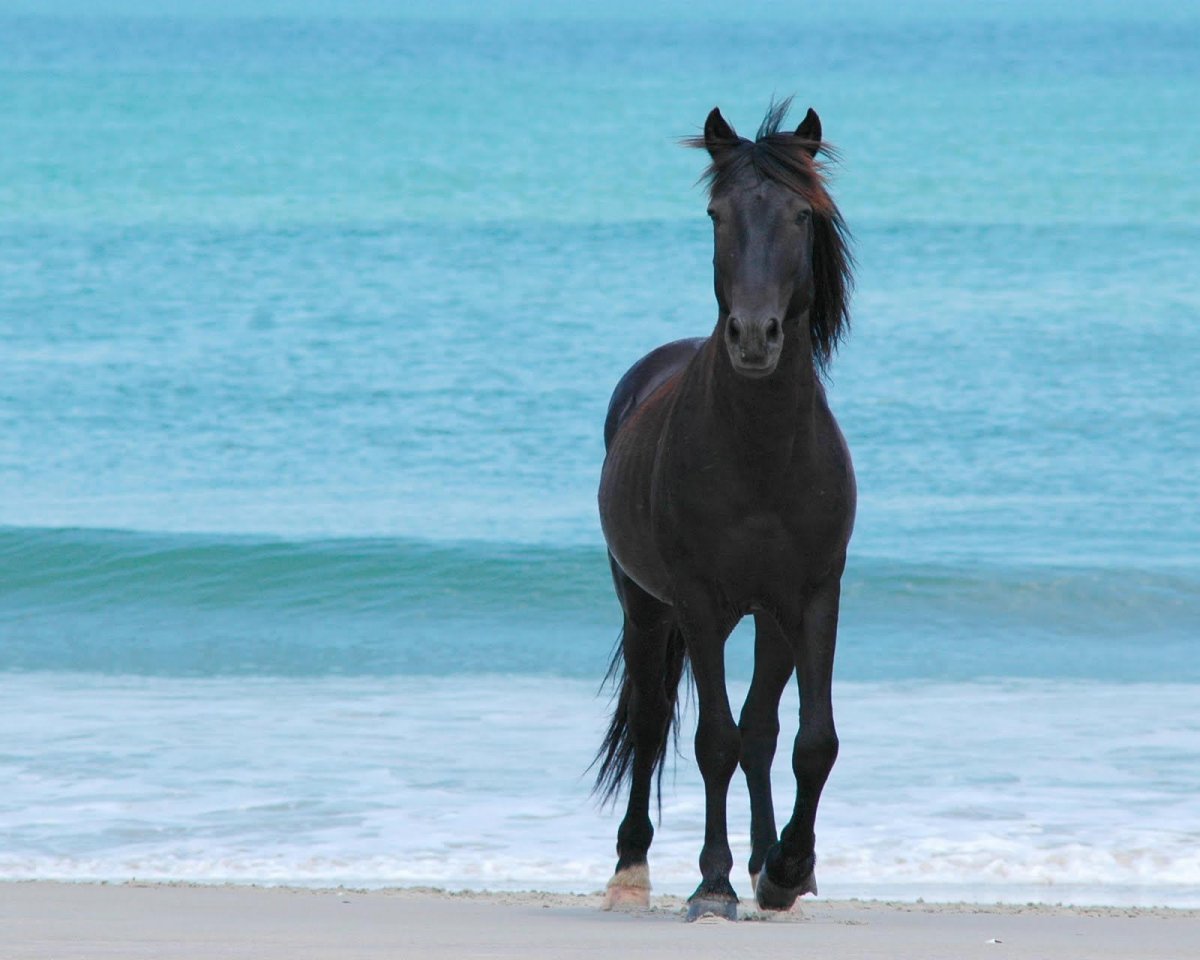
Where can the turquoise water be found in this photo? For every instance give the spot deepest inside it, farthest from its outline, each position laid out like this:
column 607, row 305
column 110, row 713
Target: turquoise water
column 309, row 327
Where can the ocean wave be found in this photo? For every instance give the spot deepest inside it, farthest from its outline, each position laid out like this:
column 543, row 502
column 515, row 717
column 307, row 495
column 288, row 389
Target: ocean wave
column 83, row 568
column 119, row 601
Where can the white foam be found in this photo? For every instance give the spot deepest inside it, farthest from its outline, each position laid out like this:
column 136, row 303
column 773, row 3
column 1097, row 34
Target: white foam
column 1074, row 792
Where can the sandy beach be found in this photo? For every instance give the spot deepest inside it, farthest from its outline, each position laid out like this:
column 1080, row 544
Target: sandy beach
column 175, row 921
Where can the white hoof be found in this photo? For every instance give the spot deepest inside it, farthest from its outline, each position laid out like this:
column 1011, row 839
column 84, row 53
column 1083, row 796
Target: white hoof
column 629, row 889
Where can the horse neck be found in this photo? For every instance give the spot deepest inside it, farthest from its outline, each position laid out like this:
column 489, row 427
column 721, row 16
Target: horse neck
column 769, row 415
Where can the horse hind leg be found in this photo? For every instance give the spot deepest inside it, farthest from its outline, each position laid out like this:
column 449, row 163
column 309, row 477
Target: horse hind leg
column 647, row 714
column 759, row 727
column 652, row 654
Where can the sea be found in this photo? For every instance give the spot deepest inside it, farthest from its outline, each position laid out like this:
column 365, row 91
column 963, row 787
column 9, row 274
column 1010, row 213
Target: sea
column 309, row 317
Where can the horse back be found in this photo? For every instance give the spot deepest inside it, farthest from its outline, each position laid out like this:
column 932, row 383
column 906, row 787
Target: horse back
column 644, row 377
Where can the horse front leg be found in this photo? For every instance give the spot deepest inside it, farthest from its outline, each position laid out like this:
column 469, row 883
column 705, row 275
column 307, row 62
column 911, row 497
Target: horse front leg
column 718, row 747
column 789, row 870
column 759, row 727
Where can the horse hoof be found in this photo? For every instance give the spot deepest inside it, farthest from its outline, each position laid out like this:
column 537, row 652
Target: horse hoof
column 770, row 896
column 717, row 907
column 626, row 898
column 754, row 883
column 629, row 889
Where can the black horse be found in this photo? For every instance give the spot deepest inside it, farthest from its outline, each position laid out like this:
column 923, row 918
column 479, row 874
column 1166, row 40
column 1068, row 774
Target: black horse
column 728, row 489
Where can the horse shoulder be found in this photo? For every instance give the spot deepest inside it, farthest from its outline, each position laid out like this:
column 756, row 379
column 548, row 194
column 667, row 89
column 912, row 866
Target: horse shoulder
column 644, row 379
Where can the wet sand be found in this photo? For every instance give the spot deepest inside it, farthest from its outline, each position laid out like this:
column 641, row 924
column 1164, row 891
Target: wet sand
column 169, row 921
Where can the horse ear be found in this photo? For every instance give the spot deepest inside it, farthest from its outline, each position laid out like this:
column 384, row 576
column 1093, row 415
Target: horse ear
column 718, row 134
column 810, row 129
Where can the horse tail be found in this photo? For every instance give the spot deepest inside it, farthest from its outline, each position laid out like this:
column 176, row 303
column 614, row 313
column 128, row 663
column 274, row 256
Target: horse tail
column 615, row 755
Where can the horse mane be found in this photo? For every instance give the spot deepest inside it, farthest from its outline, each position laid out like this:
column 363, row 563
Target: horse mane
column 790, row 161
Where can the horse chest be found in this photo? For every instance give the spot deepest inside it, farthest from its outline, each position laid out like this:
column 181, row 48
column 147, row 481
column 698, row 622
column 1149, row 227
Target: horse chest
column 752, row 550
column 756, row 534
column 736, row 542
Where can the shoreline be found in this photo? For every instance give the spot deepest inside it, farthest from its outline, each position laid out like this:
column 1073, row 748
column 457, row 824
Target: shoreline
column 140, row 919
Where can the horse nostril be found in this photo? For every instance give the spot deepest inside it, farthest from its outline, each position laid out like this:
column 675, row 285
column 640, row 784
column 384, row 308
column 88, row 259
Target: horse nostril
column 772, row 330
column 735, row 330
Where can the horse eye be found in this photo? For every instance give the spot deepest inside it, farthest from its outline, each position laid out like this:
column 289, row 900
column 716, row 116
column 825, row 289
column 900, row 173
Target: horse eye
column 712, row 214
column 803, row 216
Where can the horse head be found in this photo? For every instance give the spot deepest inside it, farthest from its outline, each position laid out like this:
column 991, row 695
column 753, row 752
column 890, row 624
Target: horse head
column 780, row 260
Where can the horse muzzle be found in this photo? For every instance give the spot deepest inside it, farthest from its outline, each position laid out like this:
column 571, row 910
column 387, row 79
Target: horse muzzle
column 754, row 344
